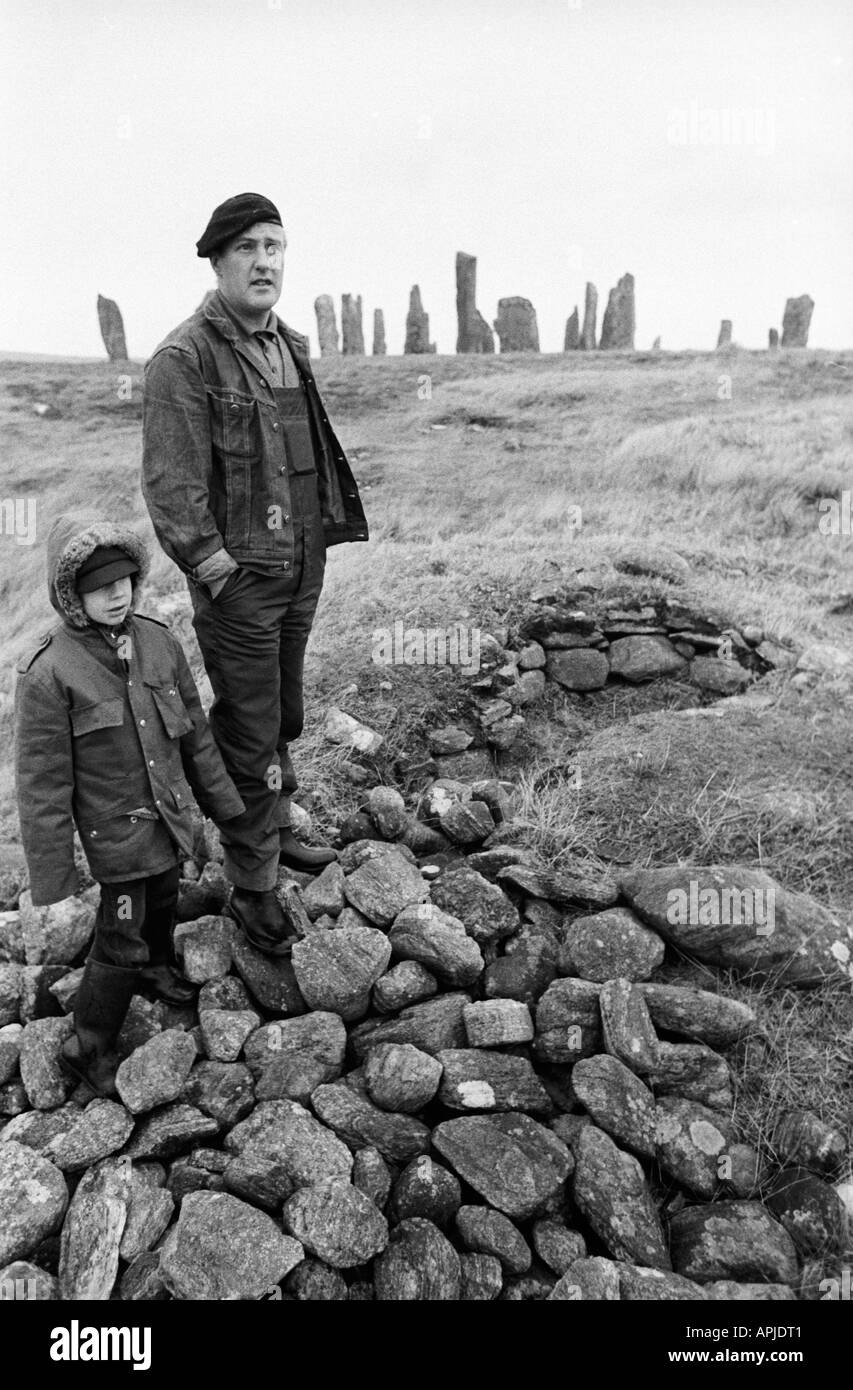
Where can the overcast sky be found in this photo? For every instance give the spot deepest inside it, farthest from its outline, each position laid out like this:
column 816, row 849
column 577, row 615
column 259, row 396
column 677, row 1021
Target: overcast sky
column 704, row 145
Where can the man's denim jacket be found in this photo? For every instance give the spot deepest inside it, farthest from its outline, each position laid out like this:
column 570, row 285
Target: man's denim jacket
column 214, row 463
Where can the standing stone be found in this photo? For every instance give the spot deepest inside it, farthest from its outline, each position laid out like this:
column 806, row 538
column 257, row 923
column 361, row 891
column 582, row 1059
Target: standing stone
column 378, row 333
column 617, row 326
column 473, row 334
column 351, row 332
column 656, row 345
column 571, row 341
column 417, row 325
column 724, row 337
column 112, row 329
column 327, row 328
column 590, row 309
column 796, row 321
column 516, row 326
column 773, row 340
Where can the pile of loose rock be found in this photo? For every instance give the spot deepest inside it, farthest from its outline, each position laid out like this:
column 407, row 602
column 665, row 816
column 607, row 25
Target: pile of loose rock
column 468, row 1082
column 637, row 642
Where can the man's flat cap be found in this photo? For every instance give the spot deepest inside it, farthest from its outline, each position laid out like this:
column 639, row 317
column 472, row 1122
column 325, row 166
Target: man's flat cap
column 234, row 216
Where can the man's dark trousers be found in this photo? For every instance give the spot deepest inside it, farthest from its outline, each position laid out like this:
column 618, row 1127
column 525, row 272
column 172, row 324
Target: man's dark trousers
column 253, row 637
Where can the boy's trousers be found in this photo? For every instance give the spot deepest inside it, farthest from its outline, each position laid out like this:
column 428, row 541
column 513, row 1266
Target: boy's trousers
column 133, row 924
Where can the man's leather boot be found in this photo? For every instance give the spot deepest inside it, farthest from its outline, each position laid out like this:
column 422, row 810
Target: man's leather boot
column 309, row 859
column 99, row 1010
column 161, row 980
column 261, row 917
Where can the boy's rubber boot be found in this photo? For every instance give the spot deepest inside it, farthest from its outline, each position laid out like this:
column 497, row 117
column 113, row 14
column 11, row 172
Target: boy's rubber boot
column 162, row 977
column 99, row 1011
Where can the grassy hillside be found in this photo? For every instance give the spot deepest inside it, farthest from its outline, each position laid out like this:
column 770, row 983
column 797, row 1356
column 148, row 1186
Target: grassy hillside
column 471, row 471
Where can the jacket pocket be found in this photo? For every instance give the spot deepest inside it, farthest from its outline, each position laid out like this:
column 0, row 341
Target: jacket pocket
column 181, row 794
column 172, row 710
column 105, row 714
column 233, row 423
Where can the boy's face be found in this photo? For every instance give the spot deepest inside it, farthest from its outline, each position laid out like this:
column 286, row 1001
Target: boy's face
column 109, row 605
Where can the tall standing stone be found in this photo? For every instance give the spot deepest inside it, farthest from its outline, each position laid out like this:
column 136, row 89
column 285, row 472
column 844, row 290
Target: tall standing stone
column 112, row 329
column 378, row 333
column 516, row 325
column 474, row 334
column 796, row 321
column 590, row 309
column 351, row 331
column 617, row 326
column 572, row 338
column 724, row 337
column 773, row 339
column 417, row 325
column 327, row 327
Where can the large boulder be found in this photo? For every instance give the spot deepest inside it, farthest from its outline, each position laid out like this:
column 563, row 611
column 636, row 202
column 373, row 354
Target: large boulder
column 513, row 1162
column 743, row 920
column 437, row 941
column 55, row 935
column 610, row 1189
column 92, row 1232
column 221, row 1248
column 337, row 1223
column 418, row 1265
column 741, row 1241
column 33, row 1199
column 307, row 1150
column 336, row 969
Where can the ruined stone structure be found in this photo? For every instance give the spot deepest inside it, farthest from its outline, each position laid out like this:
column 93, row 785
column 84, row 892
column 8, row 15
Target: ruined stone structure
column 327, row 327
column 516, row 325
column 473, row 334
column 617, row 326
column 572, row 338
column 795, row 324
column 724, row 337
column 417, row 325
column 378, row 333
column 112, row 329
column 351, row 330
column 590, row 310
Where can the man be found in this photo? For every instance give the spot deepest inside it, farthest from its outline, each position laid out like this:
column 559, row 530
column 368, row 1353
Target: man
column 247, row 485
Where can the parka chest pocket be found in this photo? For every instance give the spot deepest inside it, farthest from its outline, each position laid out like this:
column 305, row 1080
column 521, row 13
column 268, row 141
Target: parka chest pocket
column 87, row 719
column 171, row 708
column 233, row 423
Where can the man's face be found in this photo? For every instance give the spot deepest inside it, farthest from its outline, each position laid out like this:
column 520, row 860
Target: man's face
column 109, row 605
column 250, row 268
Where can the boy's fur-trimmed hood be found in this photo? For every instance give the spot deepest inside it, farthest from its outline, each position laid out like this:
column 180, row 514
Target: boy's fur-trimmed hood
column 72, row 539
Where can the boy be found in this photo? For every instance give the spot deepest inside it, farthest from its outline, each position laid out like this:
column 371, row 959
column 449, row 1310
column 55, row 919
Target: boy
column 109, row 730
